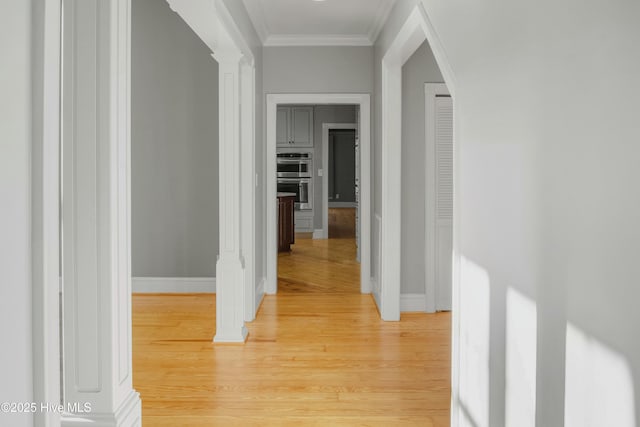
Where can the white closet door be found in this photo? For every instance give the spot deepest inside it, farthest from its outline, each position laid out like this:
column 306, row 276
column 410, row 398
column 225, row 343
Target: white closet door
column 444, row 200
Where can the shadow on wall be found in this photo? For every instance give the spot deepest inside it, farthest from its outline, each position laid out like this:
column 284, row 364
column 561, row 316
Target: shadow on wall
column 598, row 381
column 599, row 387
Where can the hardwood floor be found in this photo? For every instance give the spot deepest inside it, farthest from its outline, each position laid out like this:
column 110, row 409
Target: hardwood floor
column 319, row 266
column 317, row 354
column 342, row 223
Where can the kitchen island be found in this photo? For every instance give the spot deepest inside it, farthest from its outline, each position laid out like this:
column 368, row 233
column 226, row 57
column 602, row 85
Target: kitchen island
column 286, row 226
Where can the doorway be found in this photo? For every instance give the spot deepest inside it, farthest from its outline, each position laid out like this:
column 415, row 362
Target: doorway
column 341, row 155
column 341, row 182
column 315, row 158
column 341, row 170
column 363, row 227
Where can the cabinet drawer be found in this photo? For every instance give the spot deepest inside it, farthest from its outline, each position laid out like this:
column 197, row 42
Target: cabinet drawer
column 304, row 223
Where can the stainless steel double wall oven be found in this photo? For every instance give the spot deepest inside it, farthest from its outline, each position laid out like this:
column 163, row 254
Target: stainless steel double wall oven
column 295, row 175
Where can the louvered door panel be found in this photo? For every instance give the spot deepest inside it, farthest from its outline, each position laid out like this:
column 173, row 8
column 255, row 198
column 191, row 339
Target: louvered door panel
column 444, row 158
column 444, row 199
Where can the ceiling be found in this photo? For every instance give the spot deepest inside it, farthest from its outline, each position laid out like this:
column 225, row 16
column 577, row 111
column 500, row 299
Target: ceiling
column 318, row 23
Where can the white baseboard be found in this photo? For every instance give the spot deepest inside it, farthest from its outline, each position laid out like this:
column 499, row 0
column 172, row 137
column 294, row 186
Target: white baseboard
column 173, row 285
column 319, row 234
column 375, row 291
column 128, row 414
column 413, row 302
column 260, row 293
column 343, row 204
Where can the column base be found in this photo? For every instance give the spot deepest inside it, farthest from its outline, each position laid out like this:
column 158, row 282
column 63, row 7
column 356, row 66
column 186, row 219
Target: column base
column 129, row 414
column 230, row 301
column 239, row 338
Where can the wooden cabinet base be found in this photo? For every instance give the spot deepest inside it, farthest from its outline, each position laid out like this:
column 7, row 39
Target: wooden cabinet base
column 286, row 226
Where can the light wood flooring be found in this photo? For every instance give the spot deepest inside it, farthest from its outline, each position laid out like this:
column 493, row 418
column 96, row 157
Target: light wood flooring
column 317, row 354
column 342, row 223
column 319, row 266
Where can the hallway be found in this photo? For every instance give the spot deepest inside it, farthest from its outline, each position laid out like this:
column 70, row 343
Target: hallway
column 317, row 354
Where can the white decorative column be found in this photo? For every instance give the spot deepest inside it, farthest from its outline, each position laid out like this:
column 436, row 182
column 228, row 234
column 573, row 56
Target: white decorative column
column 248, row 183
column 230, row 266
column 97, row 380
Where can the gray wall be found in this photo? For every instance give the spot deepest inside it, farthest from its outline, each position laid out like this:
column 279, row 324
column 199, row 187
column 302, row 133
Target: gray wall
column 15, row 215
column 174, row 146
column 314, row 69
column 419, row 69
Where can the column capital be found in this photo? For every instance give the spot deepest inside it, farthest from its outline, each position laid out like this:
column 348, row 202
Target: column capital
column 247, row 62
column 227, row 56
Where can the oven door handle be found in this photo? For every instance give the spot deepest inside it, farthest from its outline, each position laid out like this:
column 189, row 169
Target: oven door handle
column 303, row 191
column 288, row 161
column 290, row 180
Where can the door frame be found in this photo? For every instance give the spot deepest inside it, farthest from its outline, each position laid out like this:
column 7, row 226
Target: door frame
column 416, row 28
column 45, row 198
column 363, row 100
column 326, row 128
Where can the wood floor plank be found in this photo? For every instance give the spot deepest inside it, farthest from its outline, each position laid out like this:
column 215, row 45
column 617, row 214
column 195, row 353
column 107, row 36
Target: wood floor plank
column 342, row 223
column 317, row 355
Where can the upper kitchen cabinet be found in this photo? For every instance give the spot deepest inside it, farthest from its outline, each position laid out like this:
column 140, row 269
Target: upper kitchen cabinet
column 294, row 127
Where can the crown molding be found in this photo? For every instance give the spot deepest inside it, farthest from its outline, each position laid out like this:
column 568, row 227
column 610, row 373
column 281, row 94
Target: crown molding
column 317, row 40
column 256, row 15
column 382, row 15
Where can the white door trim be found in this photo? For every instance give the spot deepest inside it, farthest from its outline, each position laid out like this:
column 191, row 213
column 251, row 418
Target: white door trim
column 409, row 38
column 45, row 208
column 326, row 127
column 416, row 29
column 363, row 100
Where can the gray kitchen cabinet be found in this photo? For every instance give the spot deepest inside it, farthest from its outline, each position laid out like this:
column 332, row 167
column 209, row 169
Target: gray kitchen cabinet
column 303, row 221
column 294, row 127
column 282, row 127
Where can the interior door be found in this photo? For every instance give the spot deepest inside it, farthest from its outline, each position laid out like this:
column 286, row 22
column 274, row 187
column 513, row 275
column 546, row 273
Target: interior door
column 444, row 200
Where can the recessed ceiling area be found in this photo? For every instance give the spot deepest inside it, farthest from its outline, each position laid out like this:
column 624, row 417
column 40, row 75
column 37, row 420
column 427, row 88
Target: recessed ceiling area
column 318, row 23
